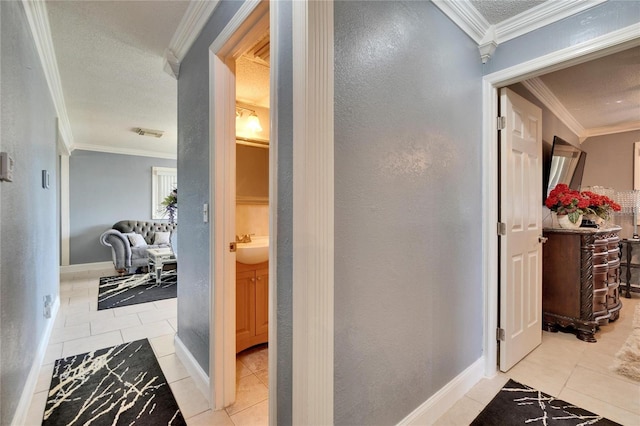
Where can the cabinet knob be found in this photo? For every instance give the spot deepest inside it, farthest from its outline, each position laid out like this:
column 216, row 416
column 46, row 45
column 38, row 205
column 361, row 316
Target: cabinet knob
column 259, row 278
column 253, row 280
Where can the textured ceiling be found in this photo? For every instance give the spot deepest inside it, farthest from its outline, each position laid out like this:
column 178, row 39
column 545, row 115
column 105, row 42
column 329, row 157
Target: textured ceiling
column 495, row 11
column 602, row 92
column 110, row 59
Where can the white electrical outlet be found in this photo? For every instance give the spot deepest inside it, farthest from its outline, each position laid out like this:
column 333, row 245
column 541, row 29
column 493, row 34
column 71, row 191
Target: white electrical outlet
column 47, row 306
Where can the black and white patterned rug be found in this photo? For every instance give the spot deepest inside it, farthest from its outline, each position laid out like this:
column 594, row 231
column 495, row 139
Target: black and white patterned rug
column 121, row 385
column 117, row 291
column 518, row 404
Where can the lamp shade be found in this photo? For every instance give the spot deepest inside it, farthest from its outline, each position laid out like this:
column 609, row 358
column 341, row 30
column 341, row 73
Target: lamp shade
column 253, row 123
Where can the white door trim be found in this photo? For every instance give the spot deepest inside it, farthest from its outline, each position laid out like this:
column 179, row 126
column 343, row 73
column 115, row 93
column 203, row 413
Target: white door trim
column 313, row 212
column 609, row 43
column 222, row 99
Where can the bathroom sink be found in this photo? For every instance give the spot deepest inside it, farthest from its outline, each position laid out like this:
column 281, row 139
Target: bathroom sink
column 257, row 251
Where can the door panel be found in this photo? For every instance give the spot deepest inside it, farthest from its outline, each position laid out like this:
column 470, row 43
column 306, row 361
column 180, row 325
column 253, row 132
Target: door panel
column 521, row 211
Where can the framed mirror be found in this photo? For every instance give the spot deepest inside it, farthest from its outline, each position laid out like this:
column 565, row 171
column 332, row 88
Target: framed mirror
column 567, row 165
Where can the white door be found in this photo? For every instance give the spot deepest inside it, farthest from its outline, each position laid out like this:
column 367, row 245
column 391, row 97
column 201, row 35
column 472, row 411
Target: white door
column 521, row 212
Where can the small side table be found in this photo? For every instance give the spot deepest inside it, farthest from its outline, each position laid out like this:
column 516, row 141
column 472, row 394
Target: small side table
column 157, row 258
column 628, row 246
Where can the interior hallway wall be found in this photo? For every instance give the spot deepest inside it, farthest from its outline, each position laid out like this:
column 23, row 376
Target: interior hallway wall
column 408, row 129
column 105, row 188
column 28, row 219
column 610, row 160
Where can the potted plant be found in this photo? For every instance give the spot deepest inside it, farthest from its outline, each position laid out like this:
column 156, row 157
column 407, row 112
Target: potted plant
column 170, row 204
column 568, row 204
column 600, row 207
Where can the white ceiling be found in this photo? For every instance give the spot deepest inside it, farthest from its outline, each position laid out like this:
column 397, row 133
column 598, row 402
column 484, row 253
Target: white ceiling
column 110, row 60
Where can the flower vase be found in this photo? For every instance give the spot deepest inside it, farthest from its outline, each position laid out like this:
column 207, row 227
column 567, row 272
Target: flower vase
column 565, row 223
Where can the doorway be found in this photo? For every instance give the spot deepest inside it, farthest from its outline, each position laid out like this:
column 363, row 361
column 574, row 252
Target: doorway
column 250, row 23
column 610, row 43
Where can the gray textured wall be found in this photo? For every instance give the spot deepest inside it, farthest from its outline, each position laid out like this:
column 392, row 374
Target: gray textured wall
column 104, row 189
column 408, row 287
column 194, row 176
column 28, row 226
column 587, row 25
column 610, row 160
column 284, row 223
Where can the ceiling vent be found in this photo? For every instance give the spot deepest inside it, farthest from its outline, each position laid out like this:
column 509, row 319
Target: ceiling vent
column 149, row 132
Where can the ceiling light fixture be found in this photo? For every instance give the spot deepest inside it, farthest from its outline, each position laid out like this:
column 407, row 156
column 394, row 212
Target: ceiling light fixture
column 253, row 122
column 149, row 132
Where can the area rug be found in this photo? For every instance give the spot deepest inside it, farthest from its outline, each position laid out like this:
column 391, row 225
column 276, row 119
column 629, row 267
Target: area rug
column 117, row 291
column 121, row 385
column 627, row 360
column 518, row 404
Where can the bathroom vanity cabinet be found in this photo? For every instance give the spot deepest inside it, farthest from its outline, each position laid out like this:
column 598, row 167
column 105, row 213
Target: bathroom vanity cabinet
column 252, row 305
column 581, row 279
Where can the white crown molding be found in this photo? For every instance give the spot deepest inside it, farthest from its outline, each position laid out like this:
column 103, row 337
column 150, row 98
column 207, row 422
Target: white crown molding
column 488, row 36
column 125, row 151
column 540, row 16
column 466, row 17
column 189, row 28
column 546, row 96
column 36, row 12
column 609, row 130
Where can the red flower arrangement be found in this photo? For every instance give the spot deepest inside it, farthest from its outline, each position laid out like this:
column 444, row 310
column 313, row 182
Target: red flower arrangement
column 565, row 201
column 601, row 205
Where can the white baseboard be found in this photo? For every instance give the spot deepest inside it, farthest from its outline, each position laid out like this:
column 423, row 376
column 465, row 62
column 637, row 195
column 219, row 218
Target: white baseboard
column 200, row 378
column 20, row 416
column 433, row 408
column 81, row 267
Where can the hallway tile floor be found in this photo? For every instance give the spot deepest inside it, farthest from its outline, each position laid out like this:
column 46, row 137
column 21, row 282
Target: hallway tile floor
column 80, row 328
column 571, row 370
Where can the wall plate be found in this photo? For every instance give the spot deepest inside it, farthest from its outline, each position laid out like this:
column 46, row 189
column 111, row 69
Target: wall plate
column 6, row 167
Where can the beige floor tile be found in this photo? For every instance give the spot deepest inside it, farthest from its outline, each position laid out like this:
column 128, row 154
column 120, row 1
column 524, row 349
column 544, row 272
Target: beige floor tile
column 65, row 334
column 611, row 390
column 88, row 344
column 256, row 415
column 600, row 362
column 166, row 304
column 538, row 376
column 462, row 413
column 75, row 293
column 36, row 409
column 256, row 358
column 87, row 317
column 82, row 300
column 157, row 315
column 600, row 407
column 263, row 375
column 44, row 378
column 148, row 331
column 486, row 389
column 133, row 309
column 116, row 323
column 172, row 368
column 190, row 399
column 241, row 369
column 249, row 391
column 174, row 323
column 52, row 353
column 163, row 345
column 211, row 418
column 76, row 308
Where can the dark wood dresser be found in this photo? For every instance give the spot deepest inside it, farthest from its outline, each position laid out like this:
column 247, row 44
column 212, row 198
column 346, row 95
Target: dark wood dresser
column 580, row 279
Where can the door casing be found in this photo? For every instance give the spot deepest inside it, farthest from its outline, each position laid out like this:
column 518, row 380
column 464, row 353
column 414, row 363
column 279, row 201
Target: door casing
column 615, row 41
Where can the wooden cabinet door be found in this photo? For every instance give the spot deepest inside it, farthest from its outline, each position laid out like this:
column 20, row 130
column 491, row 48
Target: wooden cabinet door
column 245, row 311
column 262, row 301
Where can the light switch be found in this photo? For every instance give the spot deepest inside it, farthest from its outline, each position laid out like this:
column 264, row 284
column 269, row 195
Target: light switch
column 205, row 213
column 6, row 167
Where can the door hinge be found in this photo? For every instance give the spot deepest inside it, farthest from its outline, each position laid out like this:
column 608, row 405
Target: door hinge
column 502, row 228
column 233, row 247
column 500, row 334
column 502, row 123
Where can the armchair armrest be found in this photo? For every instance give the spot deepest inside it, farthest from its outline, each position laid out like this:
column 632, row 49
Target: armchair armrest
column 121, row 249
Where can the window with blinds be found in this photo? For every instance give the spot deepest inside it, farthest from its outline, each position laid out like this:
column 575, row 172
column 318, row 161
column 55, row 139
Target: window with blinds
column 163, row 181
